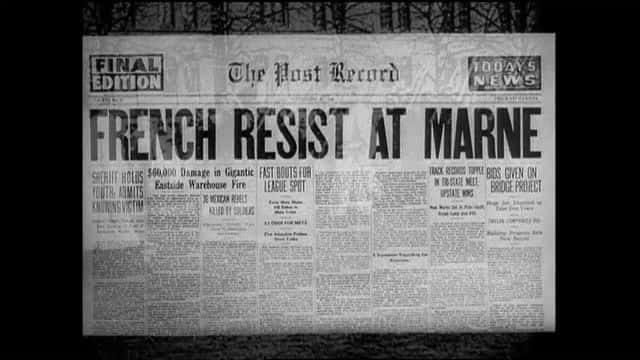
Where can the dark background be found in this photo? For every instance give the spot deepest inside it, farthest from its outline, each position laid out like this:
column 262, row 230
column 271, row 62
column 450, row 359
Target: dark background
column 596, row 159
column 136, row 17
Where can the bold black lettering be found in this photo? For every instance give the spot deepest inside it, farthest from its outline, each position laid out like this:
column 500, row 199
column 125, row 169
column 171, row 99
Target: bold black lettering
column 136, row 133
column 264, row 133
column 528, row 132
column 209, row 134
column 94, row 133
column 138, row 65
column 302, row 133
column 512, row 132
column 431, row 120
column 120, row 134
column 378, row 132
column 338, row 113
column 181, row 115
column 318, row 133
column 286, row 133
column 395, row 142
column 480, row 132
column 158, row 132
column 240, row 133
column 152, row 65
column 462, row 134
column 122, row 65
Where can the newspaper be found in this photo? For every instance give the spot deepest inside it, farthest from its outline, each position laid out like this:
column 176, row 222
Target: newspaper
column 318, row 183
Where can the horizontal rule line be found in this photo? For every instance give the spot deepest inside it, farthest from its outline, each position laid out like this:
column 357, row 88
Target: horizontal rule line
column 339, row 95
column 340, row 102
column 127, row 73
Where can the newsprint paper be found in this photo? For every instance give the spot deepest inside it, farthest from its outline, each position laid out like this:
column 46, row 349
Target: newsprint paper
column 318, row 183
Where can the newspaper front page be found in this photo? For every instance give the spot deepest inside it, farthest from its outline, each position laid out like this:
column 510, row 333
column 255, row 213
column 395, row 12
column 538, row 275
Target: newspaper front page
column 318, row 183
